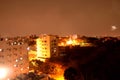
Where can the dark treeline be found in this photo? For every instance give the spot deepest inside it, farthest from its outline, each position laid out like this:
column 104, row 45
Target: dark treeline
column 101, row 62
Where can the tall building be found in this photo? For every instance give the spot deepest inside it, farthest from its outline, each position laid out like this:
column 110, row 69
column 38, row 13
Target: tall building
column 13, row 58
column 47, row 46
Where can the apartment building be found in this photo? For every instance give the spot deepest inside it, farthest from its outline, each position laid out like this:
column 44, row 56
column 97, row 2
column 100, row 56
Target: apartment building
column 13, row 58
column 47, row 46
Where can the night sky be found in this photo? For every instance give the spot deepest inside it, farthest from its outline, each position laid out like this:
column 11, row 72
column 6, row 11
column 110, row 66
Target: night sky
column 60, row 17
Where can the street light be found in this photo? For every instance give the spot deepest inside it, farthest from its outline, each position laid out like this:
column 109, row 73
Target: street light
column 3, row 73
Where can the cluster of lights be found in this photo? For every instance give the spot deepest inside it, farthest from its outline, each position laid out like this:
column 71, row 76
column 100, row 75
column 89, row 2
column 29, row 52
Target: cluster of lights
column 73, row 42
column 16, row 43
column 11, row 48
column 17, row 61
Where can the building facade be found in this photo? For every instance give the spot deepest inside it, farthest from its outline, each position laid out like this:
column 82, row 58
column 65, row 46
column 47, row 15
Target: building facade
column 13, row 58
column 47, row 46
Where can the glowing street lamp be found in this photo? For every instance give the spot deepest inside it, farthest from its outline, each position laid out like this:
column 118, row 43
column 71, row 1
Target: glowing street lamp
column 3, row 73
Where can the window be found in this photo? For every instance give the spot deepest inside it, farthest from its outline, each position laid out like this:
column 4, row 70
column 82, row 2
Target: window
column 1, row 39
column 1, row 62
column 15, row 54
column 9, row 55
column 1, row 50
column 1, row 56
column 8, row 49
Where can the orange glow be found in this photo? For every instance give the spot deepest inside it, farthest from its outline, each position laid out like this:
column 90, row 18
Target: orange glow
column 32, row 54
column 59, row 73
column 73, row 42
column 67, row 42
column 39, row 50
column 3, row 73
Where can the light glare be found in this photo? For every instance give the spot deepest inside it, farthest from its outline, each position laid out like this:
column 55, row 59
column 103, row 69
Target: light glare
column 3, row 73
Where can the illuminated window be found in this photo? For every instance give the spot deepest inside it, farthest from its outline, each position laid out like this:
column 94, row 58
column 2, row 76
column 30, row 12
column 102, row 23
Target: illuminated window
column 16, row 60
column 21, row 58
column 1, row 50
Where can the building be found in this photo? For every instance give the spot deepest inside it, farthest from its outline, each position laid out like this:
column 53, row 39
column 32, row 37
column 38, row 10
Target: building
column 13, row 58
column 71, row 42
column 47, row 46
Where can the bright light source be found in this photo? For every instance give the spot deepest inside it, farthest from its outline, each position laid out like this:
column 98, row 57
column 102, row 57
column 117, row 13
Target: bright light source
column 69, row 42
column 1, row 50
column 21, row 58
column 28, row 48
column 16, row 60
column 8, row 79
column 15, row 65
column 113, row 28
column 21, row 69
column 3, row 73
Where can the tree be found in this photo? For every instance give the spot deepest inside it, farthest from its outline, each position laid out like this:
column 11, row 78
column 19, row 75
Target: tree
column 70, row 74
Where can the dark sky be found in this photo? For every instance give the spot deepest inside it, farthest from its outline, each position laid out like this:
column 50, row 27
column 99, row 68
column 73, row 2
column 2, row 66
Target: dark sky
column 62, row 17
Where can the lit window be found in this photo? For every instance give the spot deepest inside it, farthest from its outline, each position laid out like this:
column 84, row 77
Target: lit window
column 12, row 44
column 28, row 67
column 21, row 58
column 6, row 39
column 1, row 50
column 19, row 43
column 54, row 51
column 21, row 69
column 15, row 65
column 28, row 48
column 16, row 60
column 15, row 43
